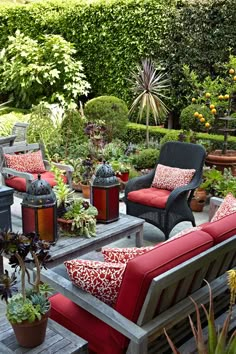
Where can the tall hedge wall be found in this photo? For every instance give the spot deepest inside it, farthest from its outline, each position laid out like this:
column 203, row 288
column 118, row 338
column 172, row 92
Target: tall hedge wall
column 112, row 37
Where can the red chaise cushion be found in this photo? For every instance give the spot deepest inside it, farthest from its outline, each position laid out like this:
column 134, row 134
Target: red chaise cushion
column 150, row 196
column 19, row 183
column 136, row 280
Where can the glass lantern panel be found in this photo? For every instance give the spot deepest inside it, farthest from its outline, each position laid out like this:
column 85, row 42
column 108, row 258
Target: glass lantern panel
column 46, row 224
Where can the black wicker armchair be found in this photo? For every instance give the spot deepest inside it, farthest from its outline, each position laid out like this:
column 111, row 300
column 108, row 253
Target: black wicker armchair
column 177, row 209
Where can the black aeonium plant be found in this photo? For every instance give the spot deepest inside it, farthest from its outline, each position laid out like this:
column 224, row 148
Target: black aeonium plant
column 21, row 250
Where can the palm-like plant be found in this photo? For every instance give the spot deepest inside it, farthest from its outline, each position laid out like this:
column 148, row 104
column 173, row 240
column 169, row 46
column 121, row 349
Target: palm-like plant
column 149, row 85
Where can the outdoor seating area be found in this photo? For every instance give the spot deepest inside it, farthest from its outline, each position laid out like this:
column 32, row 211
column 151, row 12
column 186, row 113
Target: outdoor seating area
column 117, row 177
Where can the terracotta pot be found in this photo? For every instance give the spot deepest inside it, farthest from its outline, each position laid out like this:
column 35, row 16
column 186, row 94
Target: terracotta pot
column 124, row 176
column 64, row 224
column 30, row 335
column 221, row 161
column 199, row 200
column 86, row 190
column 77, row 186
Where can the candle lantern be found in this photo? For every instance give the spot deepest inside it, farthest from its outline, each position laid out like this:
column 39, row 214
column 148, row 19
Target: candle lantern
column 105, row 194
column 39, row 211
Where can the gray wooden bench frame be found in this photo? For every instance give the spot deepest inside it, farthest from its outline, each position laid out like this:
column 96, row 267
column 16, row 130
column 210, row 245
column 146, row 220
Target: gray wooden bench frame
column 25, row 148
column 170, row 290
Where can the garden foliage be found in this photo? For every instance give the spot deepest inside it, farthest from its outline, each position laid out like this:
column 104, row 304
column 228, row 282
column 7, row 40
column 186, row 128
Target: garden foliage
column 111, row 37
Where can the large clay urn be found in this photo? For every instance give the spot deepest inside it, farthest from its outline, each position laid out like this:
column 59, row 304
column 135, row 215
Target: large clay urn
column 221, row 161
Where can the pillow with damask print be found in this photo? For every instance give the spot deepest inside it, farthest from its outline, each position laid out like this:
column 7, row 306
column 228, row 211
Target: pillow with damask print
column 100, row 279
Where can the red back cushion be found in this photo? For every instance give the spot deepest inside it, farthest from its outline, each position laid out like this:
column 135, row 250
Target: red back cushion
column 31, row 162
column 221, row 229
column 171, row 177
column 142, row 269
column 154, row 197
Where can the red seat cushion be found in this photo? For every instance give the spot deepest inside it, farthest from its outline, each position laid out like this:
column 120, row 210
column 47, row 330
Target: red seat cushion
column 85, row 325
column 150, row 196
column 136, row 280
column 221, row 229
column 19, row 183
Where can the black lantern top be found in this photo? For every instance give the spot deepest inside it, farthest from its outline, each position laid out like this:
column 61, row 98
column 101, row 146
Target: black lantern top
column 39, row 194
column 105, row 176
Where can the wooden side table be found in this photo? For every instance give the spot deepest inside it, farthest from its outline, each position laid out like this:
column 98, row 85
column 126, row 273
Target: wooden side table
column 58, row 340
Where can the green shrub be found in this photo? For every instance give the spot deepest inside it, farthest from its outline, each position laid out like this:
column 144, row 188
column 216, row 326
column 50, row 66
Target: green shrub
column 7, row 120
column 146, row 158
column 72, row 130
column 32, row 70
column 172, row 135
column 188, row 121
column 110, row 110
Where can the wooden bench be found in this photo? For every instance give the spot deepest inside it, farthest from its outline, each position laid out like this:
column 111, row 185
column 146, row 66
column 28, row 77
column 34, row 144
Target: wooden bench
column 167, row 303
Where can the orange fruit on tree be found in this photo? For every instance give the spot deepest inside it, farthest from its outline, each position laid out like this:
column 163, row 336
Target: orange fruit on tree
column 196, row 114
column 212, row 106
column 221, row 97
column 234, row 78
column 202, row 120
column 207, row 124
column 208, row 95
column 231, row 71
column 193, row 99
column 226, row 97
column 200, row 116
column 213, row 111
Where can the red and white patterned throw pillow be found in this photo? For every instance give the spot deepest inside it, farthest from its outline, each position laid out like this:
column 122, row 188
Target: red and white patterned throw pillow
column 171, row 177
column 100, row 279
column 123, row 255
column 227, row 207
column 31, row 162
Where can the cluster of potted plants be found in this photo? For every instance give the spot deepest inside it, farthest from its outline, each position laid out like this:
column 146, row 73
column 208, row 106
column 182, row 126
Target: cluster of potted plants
column 29, row 308
column 75, row 215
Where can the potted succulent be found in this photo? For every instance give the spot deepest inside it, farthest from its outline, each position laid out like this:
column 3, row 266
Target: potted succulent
column 28, row 310
column 121, row 168
column 87, row 175
column 79, row 219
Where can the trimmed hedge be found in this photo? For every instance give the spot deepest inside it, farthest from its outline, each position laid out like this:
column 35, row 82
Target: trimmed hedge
column 136, row 133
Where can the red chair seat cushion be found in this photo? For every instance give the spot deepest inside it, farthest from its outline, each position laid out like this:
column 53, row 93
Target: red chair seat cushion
column 153, row 197
column 82, row 323
column 19, row 183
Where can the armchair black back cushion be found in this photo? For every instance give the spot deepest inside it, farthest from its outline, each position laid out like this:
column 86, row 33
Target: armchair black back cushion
column 176, row 208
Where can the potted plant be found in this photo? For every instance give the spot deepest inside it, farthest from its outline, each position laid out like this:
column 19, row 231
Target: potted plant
column 79, row 219
column 121, row 168
column 28, row 310
column 87, row 175
column 77, row 173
